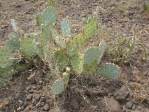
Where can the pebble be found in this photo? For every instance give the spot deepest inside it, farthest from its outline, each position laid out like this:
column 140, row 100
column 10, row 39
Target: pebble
column 20, row 102
column 122, row 94
column 112, row 105
column 42, row 99
column 129, row 105
column 46, row 107
column 37, row 97
column 29, row 97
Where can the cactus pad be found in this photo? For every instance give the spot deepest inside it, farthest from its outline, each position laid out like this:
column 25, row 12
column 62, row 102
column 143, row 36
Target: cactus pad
column 58, row 39
column 75, row 44
column 65, row 28
column 48, row 17
column 28, row 47
column 90, row 28
column 102, row 47
column 5, row 75
column 58, row 87
column 5, row 57
column 13, row 43
column 90, row 60
column 62, row 59
column 45, row 36
column 77, row 63
column 109, row 70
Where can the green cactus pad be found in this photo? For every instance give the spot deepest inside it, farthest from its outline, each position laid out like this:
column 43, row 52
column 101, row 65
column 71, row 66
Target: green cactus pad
column 28, row 47
column 90, row 28
column 91, row 60
column 65, row 28
column 5, row 75
column 81, row 39
column 48, row 17
column 58, row 39
column 75, row 44
column 58, row 87
column 5, row 57
column 45, row 36
column 13, row 43
column 77, row 63
column 102, row 47
column 44, row 41
column 3, row 82
column 6, row 72
column 61, row 58
column 109, row 70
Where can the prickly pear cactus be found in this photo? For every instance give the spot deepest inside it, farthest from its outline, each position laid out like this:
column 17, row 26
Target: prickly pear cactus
column 90, row 60
column 102, row 47
column 90, row 28
column 58, row 39
column 62, row 59
column 65, row 28
column 81, row 39
column 45, row 36
column 77, row 63
column 5, row 57
column 28, row 47
column 109, row 70
column 47, row 17
column 5, row 75
column 13, row 43
column 58, row 87
column 75, row 44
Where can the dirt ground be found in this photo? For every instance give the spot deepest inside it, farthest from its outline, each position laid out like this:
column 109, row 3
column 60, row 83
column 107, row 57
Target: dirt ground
column 29, row 91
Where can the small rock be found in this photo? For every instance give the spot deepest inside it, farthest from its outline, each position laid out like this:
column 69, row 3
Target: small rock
column 122, row 94
column 20, row 102
column 129, row 105
column 29, row 97
column 37, row 97
column 42, row 99
column 133, row 107
column 33, row 87
column 40, row 82
column 46, row 107
column 31, row 91
column 28, row 88
column 42, row 104
column 112, row 105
